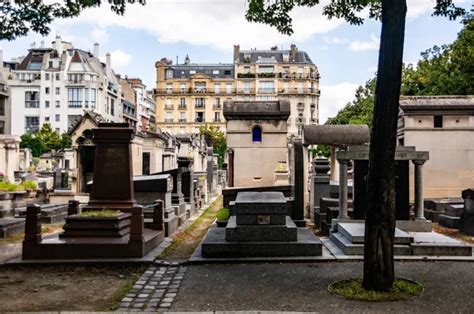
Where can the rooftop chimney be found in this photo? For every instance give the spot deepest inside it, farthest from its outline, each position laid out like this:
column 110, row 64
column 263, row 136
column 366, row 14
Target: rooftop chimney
column 186, row 60
column 96, row 50
column 236, row 53
column 58, row 45
column 293, row 52
column 108, row 65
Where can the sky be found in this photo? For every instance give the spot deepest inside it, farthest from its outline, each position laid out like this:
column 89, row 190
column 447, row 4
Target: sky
column 207, row 30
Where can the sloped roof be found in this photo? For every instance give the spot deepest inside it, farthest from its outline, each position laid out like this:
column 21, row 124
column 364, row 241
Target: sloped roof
column 259, row 56
column 445, row 103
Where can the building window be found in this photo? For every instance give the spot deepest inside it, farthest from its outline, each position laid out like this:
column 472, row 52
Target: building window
column 92, row 94
column 169, row 117
column 257, row 134
column 46, row 119
column 169, row 74
column 228, row 88
column 217, row 103
column 169, row 103
column 31, row 99
column 215, row 72
column 74, row 97
column 266, row 87
column 182, row 117
column 58, row 104
column 46, row 76
column 32, row 124
column 200, row 102
column 2, row 127
column 192, row 71
column 2, row 106
column 46, row 104
column 182, row 103
column 217, row 117
column 169, row 88
column 58, row 76
column 300, row 87
column 438, row 121
column 200, row 87
column 46, row 90
column 200, row 117
column 217, row 88
column 182, row 87
column 58, row 91
column 86, row 97
column 57, row 118
column 246, row 87
column 112, row 106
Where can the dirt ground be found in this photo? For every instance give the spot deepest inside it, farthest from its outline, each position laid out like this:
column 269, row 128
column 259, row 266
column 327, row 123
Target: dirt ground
column 59, row 288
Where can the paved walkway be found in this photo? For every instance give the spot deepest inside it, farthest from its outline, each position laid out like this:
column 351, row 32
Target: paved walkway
column 449, row 287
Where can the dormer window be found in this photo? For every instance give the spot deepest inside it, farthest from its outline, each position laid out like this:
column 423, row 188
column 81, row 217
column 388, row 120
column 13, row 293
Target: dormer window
column 169, row 73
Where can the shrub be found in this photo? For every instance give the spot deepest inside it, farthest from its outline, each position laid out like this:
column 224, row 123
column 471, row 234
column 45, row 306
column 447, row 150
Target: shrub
column 29, row 185
column 223, row 214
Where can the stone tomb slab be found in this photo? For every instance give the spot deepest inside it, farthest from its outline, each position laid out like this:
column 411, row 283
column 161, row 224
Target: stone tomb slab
column 215, row 245
column 258, row 203
column 261, row 233
column 354, row 232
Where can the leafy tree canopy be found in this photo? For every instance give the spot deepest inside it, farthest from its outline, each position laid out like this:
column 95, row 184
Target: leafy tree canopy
column 445, row 70
column 45, row 140
column 216, row 138
column 18, row 17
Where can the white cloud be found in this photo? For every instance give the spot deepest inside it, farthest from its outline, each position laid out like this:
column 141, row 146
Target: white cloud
column 334, row 98
column 100, row 34
column 118, row 58
column 416, row 8
column 373, row 44
column 335, row 40
column 220, row 24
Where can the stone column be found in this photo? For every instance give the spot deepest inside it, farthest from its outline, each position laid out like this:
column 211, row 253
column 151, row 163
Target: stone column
column 137, row 224
column 32, row 224
column 343, row 190
column 419, row 210
column 334, row 165
column 73, row 207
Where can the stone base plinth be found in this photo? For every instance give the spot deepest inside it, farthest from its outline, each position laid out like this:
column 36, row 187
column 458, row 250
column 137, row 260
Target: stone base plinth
column 11, row 226
column 466, row 223
column 97, row 227
column 261, row 233
column 215, row 245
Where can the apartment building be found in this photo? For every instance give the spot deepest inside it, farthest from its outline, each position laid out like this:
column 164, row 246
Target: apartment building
column 129, row 103
column 56, row 84
column 270, row 75
column 191, row 94
column 5, row 73
column 146, row 108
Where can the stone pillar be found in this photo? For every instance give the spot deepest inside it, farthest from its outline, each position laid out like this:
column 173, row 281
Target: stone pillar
column 32, row 224
column 298, row 183
column 158, row 216
column 419, row 210
column 73, row 207
column 343, row 190
column 334, row 175
column 137, row 224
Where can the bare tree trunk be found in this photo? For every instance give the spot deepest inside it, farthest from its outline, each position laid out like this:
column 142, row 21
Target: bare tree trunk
column 379, row 273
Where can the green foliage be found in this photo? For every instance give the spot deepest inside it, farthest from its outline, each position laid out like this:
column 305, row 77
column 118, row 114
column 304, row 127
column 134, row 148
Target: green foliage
column 45, row 140
column 277, row 13
column 446, row 70
column 100, row 213
column 19, row 17
column 9, row 187
column 216, row 138
column 30, row 185
column 352, row 289
column 223, row 214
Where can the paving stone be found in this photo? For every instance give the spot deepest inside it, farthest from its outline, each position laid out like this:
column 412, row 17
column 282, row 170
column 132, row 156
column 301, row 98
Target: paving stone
column 173, row 290
column 174, row 286
column 170, row 295
column 143, row 295
column 126, row 299
column 167, row 300
column 138, row 305
column 140, row 282
column 164, row 283
column 149, row 287
column 165, row 305
column 125, row 304
column 179, row 277
column 153, row 300
column 131, row 295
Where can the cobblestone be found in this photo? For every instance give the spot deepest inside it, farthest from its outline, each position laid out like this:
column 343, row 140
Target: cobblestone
column 156, row 289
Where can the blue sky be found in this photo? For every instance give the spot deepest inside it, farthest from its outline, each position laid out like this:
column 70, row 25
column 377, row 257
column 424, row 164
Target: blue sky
column 206, row 30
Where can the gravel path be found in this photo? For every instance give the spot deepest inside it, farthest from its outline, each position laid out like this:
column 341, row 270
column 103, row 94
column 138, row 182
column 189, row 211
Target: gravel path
column 449, row 287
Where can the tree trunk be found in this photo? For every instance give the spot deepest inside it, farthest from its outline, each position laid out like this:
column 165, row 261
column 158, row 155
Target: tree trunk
column 379, row 274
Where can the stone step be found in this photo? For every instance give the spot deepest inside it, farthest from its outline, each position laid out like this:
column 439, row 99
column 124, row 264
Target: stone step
column 447, row 221
column 354, row 232
column 432, row 243
column 350, row 248
column 454, row 210
column 261, row 233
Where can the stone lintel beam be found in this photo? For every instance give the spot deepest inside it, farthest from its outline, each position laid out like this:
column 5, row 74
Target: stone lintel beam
column 336, row 135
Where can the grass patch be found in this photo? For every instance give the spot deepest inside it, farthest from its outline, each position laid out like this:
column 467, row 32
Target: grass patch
column 45, row 230
column 352, row 289
column 223, row 214
column 100, row 213
column 9, row 187
column 185, row 242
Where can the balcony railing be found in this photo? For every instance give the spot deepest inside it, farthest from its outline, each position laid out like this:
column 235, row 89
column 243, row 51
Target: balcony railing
column 200, row 120
column 169, row 120
column 217, row 120
column 217, row 106
column 200, row 106
column 266, row 90
column 183, row 120
column 31, row 103
column 194, row 91
column 182, row 106
column 74, row 104
column 169, row 107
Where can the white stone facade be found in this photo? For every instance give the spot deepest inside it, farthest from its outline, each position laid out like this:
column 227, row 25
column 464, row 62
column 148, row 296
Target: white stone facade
column 55, row 85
